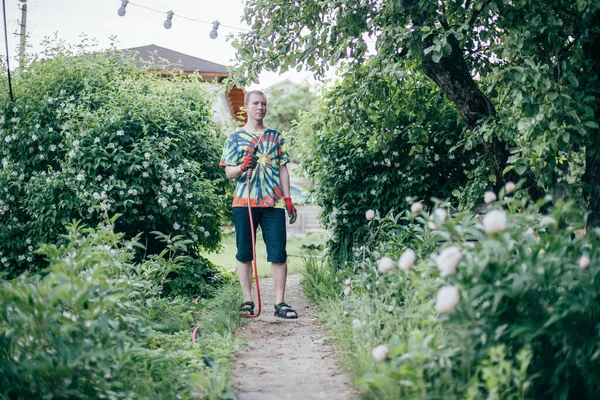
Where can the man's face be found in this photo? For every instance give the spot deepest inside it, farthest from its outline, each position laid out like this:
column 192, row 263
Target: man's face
column 257, row 106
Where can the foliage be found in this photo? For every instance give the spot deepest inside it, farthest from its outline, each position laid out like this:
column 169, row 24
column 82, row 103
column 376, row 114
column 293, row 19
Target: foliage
column 383, row 135
column 95, row 326
column 527, row 318
column 533, row 105
column 90, row 133
column 286, row 103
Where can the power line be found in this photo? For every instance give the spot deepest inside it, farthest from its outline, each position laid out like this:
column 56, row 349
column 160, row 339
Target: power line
column 7, row 57
column 122, row 11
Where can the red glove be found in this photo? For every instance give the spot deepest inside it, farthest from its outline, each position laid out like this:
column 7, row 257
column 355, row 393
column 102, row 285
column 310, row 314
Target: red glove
column 291, row 210
column 250, row 162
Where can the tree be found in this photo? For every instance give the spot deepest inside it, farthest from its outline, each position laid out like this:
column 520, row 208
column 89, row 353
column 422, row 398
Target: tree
column 286, row 102
column 534, row 106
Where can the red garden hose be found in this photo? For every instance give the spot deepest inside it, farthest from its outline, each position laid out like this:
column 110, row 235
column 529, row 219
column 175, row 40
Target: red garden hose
column 255, row 268
column 195, row 333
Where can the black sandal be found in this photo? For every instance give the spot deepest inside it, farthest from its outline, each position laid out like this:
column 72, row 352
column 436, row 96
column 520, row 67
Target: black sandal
column 248, row 307
column 282, row 310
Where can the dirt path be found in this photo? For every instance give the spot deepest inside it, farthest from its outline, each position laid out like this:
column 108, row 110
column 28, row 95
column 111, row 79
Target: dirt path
column 288, row 359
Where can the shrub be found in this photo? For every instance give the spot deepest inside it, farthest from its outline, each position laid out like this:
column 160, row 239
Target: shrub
column 526, row 321
column 96, row 326
column 379, row 137
column 90, row 134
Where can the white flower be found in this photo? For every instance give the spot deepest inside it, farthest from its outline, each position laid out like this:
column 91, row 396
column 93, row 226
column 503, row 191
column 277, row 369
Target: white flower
column 80, row 176
column 176, row 226
column 407, row 260
column 489, row 197
column 529, row 232
column 370, row 214
column 431, row 225
column 356, row 324
column 584, row 261
column 510, row 187
column 347, row 282
column 416, row 207
column 385, row 265
column 380, row 352
column 441, row 214
column 494, row 221
column 347, row 291
column 446, row 299
column 448, row 260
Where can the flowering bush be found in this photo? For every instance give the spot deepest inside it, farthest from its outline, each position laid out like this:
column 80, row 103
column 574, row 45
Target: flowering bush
column 90, row 134
column 499, row 306
column 377, row 142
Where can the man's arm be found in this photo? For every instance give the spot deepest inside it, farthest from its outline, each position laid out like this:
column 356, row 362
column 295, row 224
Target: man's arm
column 233, row 171
column 284, row 179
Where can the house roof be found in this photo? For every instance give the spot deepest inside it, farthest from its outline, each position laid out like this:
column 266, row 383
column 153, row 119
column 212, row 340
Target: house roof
column 176, row 60
column 188, row 64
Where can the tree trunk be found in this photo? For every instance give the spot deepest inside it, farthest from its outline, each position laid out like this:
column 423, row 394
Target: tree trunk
column 591, row 177
column 453, row 77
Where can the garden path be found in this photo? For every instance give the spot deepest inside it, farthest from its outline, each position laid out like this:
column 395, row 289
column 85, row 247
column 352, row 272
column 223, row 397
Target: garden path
column 288, row 359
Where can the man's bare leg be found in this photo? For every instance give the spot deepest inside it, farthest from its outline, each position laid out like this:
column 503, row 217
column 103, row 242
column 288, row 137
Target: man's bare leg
column 279, row 274
column 245, row 277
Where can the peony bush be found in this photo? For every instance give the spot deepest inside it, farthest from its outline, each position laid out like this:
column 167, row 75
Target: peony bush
column 500, row 305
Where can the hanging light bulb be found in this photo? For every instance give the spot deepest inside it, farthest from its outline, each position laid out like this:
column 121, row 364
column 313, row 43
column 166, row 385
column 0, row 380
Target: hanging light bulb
column 213, row 34
column 168, row 22
column 122, row 10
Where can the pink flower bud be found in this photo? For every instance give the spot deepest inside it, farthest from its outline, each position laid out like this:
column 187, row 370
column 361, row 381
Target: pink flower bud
column 370, row 214
column 416, row 207
column 510, row 187
column 584, row 261
column 494, row 221
column 385, row 265
column 347, row 291
column 489, row 197
column 407, row 260
column 380, row 352
column 447, row 299
column 448, row 260
column 347, row 282
column 441, row 214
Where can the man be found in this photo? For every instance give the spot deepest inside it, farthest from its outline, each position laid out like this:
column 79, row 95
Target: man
column 260, row 151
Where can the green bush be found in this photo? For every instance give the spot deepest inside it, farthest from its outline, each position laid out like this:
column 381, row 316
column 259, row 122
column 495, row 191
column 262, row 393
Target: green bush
column 89, row 134
column 95, row 326
column 379, row 137
column 527, row 314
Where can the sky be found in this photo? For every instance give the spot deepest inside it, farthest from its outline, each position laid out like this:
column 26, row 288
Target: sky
column 140, row 26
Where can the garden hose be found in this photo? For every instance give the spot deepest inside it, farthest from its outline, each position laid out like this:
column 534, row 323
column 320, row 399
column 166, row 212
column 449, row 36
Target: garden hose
column 255, row 268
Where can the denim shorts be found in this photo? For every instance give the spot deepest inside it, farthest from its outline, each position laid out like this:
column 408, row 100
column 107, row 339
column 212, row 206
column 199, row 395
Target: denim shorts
column 272, row 223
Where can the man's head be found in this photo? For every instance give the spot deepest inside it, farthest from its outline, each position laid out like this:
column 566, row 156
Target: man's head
column 255, row 103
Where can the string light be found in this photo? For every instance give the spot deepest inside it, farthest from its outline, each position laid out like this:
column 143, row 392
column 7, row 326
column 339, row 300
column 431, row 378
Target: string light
column 168, row 22
column 213, row 34
column 123, row 9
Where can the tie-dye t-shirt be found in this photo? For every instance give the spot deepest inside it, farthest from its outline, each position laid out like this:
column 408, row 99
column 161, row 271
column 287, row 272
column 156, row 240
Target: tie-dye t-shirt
column 265, row 186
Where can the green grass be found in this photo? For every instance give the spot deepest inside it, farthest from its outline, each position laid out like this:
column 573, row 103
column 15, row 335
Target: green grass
column 296, row 249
